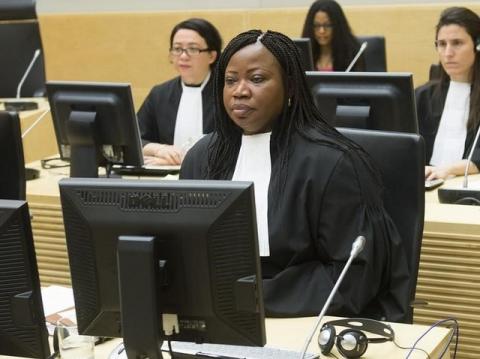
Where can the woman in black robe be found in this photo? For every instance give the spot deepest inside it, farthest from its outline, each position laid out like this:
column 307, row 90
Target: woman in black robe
column 323, row 190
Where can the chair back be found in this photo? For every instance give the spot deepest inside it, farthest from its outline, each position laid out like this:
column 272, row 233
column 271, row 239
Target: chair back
column 375, row 55
column 20, row 38
column 12, row 166
column 401, row 160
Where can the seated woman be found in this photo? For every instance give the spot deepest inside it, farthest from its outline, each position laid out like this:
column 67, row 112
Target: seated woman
column 315, row 190
column 178, row 112
column 333, row 44
column 449, row 107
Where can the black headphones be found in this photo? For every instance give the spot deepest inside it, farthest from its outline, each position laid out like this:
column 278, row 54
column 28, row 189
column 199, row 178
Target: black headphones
column 352, row 342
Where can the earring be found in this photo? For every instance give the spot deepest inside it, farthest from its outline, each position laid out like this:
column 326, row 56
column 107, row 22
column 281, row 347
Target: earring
column 289, row 101
column 477, row 47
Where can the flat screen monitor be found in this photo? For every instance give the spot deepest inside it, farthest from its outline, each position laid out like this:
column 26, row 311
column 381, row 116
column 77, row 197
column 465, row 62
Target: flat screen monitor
column 12, row 167
column 187, row 255
column 95, row 125
column 23, row 332
column 305, row 47
column 368, row 100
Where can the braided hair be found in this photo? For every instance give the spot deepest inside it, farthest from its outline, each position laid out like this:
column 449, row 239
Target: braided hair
column 299, row 112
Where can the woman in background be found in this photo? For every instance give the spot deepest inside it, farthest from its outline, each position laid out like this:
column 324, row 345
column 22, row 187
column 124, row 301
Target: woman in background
column 315, row 190
column 449, row 107
column 178, row 112
column 333, row 44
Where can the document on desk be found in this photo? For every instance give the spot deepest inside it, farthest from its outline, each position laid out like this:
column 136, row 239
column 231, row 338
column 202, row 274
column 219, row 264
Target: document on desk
column 58, row 303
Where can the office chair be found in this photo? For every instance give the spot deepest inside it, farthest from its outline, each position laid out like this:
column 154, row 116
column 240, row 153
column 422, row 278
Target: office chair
column 12, row 166
column 401, row 160
column 375, row 55
column 20, row 38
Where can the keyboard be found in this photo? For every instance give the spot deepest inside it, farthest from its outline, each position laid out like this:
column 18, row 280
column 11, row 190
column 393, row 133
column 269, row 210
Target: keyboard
column 191, row 350
column 146, row 170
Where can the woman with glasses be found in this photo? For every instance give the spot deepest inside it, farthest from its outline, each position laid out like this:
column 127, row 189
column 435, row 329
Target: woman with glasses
column 177, row 113
column 449, row 107
column 333, row 44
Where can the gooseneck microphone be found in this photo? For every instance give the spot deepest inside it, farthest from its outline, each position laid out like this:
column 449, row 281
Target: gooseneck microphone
column 357, row 247
column 29, row 68
column 469, row 159
column 462, row 195
column 357, row 56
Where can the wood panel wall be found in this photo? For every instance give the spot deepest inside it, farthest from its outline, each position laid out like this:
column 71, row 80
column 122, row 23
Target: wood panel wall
column 133, row 47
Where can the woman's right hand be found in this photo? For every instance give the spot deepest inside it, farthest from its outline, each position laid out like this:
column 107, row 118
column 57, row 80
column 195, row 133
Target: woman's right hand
column 161, row 154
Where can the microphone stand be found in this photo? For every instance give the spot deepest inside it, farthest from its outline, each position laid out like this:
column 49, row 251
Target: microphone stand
column 355, row 59
column 20, row 105
column 462, row 195
column 357, row 247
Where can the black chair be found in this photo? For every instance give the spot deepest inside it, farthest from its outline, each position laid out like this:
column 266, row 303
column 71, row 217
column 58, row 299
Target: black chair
column 12, row 166
column 401, row 160
column 375, row 55
column 20, row 38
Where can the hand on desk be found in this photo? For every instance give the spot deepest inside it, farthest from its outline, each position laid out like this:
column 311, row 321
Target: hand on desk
column 160, row 154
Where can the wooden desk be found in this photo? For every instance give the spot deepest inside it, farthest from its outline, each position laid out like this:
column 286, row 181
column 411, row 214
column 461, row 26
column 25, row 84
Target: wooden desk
column 449, row 275
column 291, row 334
column 41, row 141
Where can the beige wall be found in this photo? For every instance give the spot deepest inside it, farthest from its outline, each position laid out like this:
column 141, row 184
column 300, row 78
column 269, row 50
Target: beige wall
column 133, row 47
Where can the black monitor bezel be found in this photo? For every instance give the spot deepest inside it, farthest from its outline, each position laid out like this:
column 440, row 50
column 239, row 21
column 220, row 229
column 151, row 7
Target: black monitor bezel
column 25, row 333
column 78, row 192
column 63, row 95
column 371, row 85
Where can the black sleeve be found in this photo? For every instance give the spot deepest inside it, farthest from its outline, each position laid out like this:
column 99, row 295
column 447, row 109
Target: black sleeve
column 376, row 284
column 147, row 120
column 194, row 165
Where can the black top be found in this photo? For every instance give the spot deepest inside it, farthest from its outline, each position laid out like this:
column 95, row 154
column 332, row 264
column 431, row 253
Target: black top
column 328, row 200
column 158, row 114
column 430, row 104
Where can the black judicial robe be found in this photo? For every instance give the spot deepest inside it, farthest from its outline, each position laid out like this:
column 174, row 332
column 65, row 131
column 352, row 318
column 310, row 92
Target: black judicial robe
column 158, row 114
column 430, row 104
column 328, row 200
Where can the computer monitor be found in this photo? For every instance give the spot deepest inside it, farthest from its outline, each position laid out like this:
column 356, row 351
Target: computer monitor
column 369, row 100
column 187, row 248
column 12, row 167
column 95, row 125
column 305, row 47
column 23, row 332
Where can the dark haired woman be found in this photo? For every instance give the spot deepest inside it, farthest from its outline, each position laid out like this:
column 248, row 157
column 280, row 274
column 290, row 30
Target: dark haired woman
column 449, row 107
column 333, row 44
column 177, row 113
column 315, row 191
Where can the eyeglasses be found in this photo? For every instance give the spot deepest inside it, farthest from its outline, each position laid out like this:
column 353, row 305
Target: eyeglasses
column 190, row 51
column 326, row 27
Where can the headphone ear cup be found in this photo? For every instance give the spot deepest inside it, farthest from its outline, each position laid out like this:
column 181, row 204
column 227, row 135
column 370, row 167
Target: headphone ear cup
column 352, row 343
column 477, row 44
column 326, row 338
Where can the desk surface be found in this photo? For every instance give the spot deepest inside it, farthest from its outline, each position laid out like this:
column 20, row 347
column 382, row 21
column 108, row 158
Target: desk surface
column 291, row 334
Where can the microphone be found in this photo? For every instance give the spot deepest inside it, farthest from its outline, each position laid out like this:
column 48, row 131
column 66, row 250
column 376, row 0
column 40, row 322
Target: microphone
column 462, row 195
column 357, row 247
column 29, row 68
column 355, row 59
column 23, row 105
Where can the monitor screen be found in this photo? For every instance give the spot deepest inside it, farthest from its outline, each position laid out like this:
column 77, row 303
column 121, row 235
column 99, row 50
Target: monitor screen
column 305, row 47
column 368, row 100
column 95, row 125
column 12, row 168
column 205, row 244
column 23, row 331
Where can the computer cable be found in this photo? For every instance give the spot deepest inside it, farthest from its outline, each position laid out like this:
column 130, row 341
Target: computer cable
column 454, row 333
